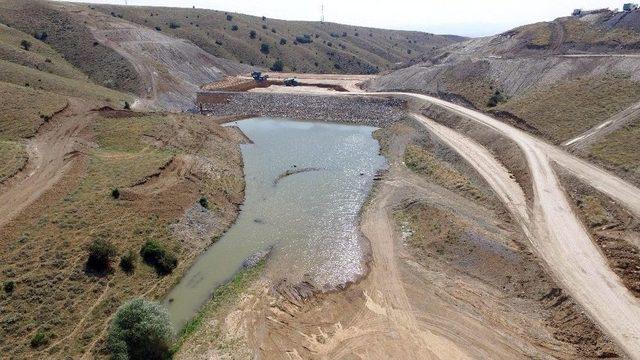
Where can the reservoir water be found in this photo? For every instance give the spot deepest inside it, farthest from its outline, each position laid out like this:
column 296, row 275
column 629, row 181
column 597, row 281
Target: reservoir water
column 305, row 185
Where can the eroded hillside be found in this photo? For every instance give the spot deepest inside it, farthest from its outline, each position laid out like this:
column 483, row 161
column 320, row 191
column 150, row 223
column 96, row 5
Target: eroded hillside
column 302, row 46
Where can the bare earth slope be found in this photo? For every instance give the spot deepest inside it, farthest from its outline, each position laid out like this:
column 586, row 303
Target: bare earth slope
column 172, row 70
column 556, row 233
column 557, row 80
column 332, row 48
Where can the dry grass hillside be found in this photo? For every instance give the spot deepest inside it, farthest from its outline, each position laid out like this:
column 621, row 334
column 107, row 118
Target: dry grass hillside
column 65, row 144
column 73, row 40
column 302, row 46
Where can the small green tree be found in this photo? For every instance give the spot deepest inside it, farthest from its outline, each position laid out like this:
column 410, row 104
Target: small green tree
column 234, row 28
column 278, row 65
column 39, row 339
column 229, row 17
column 100, row 254
column 115, row 193
column 264, row 48
column 141, row 329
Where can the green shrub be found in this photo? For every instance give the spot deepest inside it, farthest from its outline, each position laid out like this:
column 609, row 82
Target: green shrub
column 39, row 339
column 128, row 261
column 234, row 28
column 26, row 45
column 283, row 41
column 100, row 253
column 264, row 48
column 278, row 65
column 115, row 193
column 304, row 39
column 9, row 286
column 157, row 256
column 204, row 202
column 495, row 99
column 252, row 34
column 141, row 329
column 229, row 17
column 127, row 106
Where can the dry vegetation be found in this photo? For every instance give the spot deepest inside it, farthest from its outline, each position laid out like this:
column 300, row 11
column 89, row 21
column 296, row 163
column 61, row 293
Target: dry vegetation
column 566, row 109
column 584, row 34
column 424, row 163
column 72, row 39
column 13, row 157
column 328, row 48
column 23, row 110
column 620, row 150
column 72, row 306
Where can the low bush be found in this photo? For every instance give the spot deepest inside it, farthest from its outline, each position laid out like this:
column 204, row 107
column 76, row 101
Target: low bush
column 304, row 39
column 264, row 48
column 41, row 35
column 9, row 286
column 39, row 339
column 100, row 254
column 115, row 192
column 229, row 17
column 204, row 202
column 234, row 28
column 174, row 25
column 278, row 65
column 141, row 329
column 495, row 99
column 128, row 261
column 26, row 45
column 157, row 256
column 252, row 34
column 283, row 41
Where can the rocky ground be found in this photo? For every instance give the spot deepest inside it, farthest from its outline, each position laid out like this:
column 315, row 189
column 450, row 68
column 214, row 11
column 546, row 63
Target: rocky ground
column 371, row 110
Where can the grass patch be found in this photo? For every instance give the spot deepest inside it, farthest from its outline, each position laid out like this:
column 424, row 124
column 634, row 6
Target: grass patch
column 423, row 162
column 23, row 110
column 12, row 158
column 23, row 76
column 224, row 295
column 620, row 149
column 594, row 211
column 568, row 108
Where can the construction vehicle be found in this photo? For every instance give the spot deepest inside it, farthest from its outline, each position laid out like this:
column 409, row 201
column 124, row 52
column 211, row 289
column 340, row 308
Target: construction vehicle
column 257, row 76
column 291, row 82
column 630, row 7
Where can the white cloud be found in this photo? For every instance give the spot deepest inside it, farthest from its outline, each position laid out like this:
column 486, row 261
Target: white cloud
column 461, row 17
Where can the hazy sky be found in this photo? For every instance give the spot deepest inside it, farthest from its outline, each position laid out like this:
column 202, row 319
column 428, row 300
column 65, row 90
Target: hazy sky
column 460, row 17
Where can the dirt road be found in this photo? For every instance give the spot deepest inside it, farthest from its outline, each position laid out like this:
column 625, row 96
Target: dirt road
column 554, row 230
column 52, row 152
column 615, row 122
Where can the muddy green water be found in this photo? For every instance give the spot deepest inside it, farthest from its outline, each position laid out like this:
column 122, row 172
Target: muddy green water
column 310, row 216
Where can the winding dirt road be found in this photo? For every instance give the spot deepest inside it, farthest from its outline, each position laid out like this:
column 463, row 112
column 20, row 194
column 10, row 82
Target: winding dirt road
column 52, row 152
column 554, row 230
